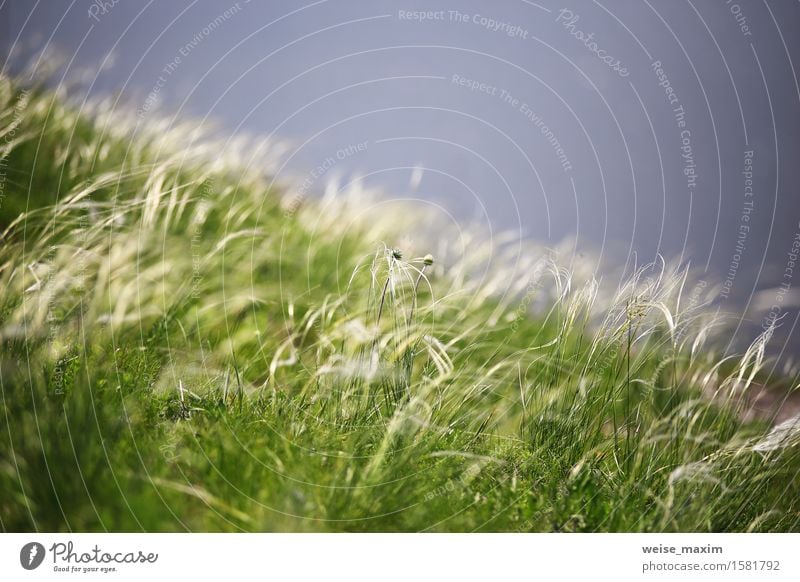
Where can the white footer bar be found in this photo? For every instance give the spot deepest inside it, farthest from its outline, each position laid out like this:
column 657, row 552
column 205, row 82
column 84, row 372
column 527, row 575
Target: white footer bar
column 390, row 557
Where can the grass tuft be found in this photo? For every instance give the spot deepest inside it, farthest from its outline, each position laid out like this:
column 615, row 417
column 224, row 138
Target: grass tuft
column 182, row 350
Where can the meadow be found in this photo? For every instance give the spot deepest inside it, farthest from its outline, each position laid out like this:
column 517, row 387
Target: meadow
column 188, row 345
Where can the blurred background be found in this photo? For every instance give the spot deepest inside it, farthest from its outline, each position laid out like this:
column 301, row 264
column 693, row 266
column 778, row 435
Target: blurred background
column 638, row 129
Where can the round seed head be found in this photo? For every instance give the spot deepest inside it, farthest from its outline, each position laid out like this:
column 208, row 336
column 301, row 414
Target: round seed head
column 427, row 260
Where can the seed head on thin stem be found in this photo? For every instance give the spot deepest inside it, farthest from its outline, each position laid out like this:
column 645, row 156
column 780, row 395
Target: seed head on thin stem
column 427, row 261
column 396, row 255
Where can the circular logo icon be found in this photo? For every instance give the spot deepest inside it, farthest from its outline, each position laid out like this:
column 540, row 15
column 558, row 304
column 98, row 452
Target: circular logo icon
column 31, row 555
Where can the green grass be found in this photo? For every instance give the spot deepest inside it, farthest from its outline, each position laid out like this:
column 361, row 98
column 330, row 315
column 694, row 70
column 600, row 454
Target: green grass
column 186, row 346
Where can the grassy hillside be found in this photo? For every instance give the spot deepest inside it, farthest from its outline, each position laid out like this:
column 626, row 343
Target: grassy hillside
column 186, row 346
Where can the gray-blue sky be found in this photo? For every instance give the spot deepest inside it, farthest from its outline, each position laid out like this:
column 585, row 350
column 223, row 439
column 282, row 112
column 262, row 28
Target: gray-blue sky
column 509, row 107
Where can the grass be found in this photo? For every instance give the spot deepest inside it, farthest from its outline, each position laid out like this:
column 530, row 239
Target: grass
column 188, row 346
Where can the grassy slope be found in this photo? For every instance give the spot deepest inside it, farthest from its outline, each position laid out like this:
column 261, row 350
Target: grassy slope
column 181, row 351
